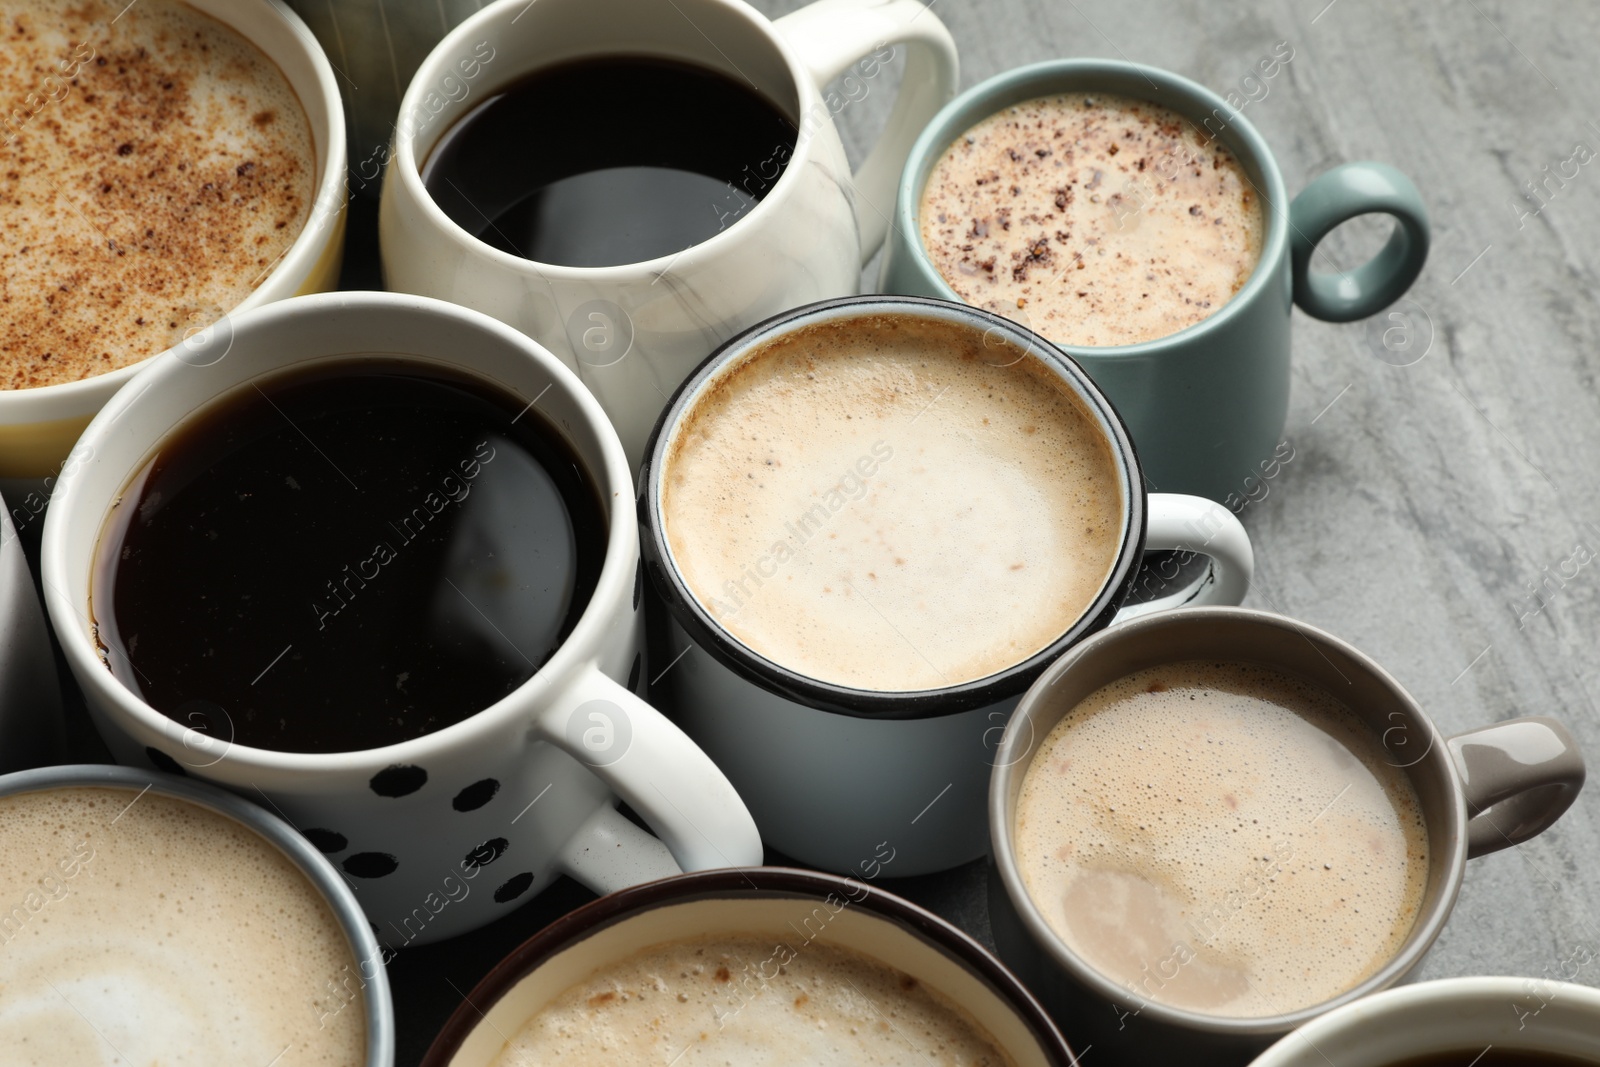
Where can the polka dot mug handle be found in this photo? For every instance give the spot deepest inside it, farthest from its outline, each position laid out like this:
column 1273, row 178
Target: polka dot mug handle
column 646, row 760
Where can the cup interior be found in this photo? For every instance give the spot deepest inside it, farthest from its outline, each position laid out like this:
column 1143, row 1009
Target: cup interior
column 1189, row 99
column 1398, row 727
column 794, row 908
column 371, row 984
column 994, row 331
column 519, row 38
column 281, row 338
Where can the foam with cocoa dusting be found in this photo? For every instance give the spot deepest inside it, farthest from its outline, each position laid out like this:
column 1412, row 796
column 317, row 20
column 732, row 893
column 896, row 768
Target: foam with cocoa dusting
column 1222, row 837
column 153, row 170
column 892, row 503
column 745, row 999
column 1095, row 219
column 167, row 932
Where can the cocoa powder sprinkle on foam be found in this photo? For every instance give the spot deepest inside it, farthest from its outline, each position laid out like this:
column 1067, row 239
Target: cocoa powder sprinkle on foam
column 153, row 169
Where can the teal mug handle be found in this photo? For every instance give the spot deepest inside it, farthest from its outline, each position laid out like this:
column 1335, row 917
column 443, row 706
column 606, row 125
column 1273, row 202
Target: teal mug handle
column 1336, row 197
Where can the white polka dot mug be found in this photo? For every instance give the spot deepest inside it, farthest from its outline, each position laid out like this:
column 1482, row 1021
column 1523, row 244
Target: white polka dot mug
column 444, row 832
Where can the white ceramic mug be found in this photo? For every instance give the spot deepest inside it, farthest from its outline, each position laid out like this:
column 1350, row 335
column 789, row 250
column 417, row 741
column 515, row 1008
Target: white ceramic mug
column 830, row 771
column 529, row 782
column 633, row 332
column 38, row 426
column 1453, row 1015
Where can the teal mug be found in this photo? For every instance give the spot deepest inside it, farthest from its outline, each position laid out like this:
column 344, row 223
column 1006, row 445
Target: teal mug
column 1205, row 405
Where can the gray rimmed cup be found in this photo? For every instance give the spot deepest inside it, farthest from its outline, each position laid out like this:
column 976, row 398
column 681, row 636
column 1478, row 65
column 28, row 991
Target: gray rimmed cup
column 1479, row 791
column 1206, row 405
column 371, row 985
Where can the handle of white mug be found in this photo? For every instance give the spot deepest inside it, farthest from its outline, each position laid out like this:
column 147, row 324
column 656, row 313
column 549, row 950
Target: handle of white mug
column 831, row 36
column 1518, row 777
column 1198, row 527
column 664, row 776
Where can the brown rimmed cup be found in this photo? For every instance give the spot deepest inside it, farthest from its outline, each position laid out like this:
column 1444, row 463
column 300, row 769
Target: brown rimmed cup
column 766, row 900
column 1479, row 791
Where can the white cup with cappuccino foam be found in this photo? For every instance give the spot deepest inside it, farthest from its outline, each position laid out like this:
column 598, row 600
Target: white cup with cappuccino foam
column 199, row 256
column 874, row 521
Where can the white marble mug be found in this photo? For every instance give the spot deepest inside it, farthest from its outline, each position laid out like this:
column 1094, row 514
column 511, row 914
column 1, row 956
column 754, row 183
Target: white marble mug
column 633, row 332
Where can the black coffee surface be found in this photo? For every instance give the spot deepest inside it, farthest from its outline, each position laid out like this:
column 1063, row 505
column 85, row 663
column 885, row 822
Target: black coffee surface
column 608, row 160
column 347, row 557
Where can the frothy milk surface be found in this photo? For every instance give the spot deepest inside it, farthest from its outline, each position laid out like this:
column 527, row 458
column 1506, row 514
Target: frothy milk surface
column 744, row 999
column 1222, row 838
column 147, row 930
column 892, row 503
column 157, row 166
column 1096, row 219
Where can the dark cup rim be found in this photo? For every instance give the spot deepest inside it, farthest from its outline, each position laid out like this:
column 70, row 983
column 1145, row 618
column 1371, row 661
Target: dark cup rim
column 378, row 1006
column 766, row 673
column 745, row 883
column 1168, row 89
column 1021, row 733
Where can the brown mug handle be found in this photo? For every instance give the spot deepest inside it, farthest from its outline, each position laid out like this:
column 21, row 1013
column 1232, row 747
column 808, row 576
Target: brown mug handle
column 1518, row 777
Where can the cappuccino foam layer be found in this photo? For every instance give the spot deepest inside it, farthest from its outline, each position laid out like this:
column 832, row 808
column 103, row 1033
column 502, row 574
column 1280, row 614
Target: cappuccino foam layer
column 892, row 503
column 744, row 999
column 147, row 930
column 1222, row 838
column 157, row 166
column 1095, row 219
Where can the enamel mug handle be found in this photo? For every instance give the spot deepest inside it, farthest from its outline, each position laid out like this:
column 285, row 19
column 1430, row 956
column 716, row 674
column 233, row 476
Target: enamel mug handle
column 1337, row 197
column 832, row 36
column 1197, row 526
column 665, row 777
column 1519, row 776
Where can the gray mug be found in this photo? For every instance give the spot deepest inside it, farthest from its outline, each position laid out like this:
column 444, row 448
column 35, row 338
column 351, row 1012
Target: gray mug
column 363, row 987
column 1479, row 791
column 1206, row 405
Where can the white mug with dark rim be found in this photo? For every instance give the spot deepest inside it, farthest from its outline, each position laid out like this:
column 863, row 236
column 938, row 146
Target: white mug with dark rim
column 448, row 831
column 633, row 332
column 831, row 771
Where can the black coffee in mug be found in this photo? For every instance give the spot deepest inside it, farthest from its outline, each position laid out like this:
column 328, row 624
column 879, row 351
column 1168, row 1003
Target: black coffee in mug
column 608, row 160
column 345, row 557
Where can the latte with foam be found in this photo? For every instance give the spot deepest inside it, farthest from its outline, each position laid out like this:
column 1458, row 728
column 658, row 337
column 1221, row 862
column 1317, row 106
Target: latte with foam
column 743, row 999
column 137, row 928
column 1222, row 838
column 158, row 167
column 892, row 503
column 1095, row 219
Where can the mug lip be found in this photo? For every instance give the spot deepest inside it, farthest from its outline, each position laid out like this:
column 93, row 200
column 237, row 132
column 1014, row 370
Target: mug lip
column 772, row 676
column 611, row 483
column 748, row 883
column 1394, row 1004
column 329, row 189
column 1044, row 79
column 407, row 169
column 1021, row 733
column 363, row 943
